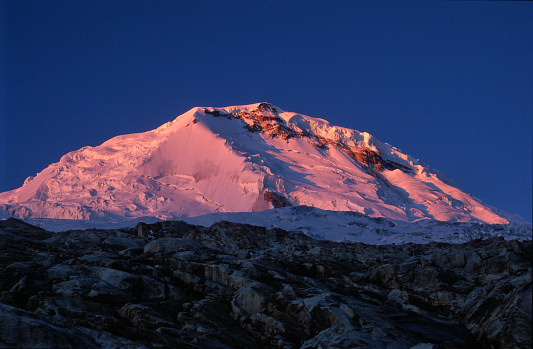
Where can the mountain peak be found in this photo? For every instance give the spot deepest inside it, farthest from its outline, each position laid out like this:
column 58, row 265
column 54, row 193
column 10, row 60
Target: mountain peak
column 254, row 107
column 238, row 159
column 265, row 106
column 265, row 118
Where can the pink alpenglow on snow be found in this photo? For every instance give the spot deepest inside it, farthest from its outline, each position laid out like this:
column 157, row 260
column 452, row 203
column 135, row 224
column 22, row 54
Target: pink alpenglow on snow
column 241, row 159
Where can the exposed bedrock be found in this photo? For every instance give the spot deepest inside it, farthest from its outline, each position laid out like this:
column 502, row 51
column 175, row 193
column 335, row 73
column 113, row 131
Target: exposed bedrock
column 266, row 119
column 239, row 286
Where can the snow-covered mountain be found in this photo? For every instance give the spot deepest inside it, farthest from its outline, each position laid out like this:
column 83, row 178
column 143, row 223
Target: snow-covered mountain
column 242, row 159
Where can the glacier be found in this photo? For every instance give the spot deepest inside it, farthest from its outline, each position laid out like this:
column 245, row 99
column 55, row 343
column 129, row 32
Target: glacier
column 246, row 158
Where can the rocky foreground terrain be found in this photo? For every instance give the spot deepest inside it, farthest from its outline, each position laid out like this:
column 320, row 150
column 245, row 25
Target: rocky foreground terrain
column 230, row 285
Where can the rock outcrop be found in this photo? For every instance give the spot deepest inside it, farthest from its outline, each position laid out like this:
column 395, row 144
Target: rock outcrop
column 266, row 119
column 171, row 284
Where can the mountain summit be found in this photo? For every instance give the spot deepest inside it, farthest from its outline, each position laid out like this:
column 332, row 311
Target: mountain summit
column 241, row 159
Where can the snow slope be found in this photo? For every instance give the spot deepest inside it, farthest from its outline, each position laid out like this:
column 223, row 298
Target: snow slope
column 341, row 226
column 241, row 159
column 356, row 227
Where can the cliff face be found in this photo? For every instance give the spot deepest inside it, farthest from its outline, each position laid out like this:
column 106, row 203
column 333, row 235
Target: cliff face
column 231, row 285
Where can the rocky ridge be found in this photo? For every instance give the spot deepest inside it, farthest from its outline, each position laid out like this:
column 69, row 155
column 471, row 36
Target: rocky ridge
column 171, row 284
column 265, row 118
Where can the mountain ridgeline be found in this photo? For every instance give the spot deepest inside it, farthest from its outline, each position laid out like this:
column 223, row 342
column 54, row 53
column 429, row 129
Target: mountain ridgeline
column 242, row 159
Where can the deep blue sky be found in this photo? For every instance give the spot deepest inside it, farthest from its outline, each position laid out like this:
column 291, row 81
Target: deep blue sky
column 448, row 82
